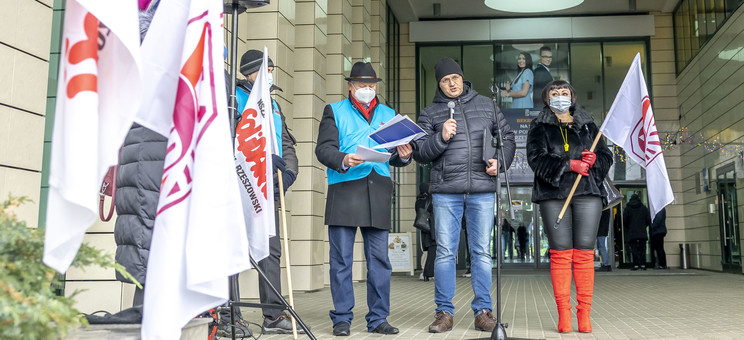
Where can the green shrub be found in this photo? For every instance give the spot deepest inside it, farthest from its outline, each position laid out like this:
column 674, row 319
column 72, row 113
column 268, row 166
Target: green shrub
column 29, row 306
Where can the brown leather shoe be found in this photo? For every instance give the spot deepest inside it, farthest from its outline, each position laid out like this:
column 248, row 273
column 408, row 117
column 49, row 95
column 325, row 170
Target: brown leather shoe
column 442, row 323
column 485, row 321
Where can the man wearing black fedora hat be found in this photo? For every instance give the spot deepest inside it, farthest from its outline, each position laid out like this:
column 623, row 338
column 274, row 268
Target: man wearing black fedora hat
column 359, row 195
column 275, row 320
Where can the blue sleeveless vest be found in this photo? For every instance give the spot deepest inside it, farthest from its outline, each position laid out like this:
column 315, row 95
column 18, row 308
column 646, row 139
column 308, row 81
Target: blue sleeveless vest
column 242, row 99
column 354, row 130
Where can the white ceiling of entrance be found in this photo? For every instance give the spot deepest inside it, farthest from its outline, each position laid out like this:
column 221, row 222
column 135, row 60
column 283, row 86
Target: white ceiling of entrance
column 414, row 10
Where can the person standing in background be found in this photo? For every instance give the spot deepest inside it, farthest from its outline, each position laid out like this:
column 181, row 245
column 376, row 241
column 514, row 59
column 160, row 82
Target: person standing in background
column 637, row 218
column 602, row 232
column 658, row 231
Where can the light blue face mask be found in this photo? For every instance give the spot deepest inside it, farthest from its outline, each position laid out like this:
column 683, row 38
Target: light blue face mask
column 271, row 80
column 560, row 104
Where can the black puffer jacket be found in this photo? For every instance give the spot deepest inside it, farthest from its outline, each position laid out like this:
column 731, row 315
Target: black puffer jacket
column 551, row 163
column 636, row 217
column 137, row 193
column 458, row 165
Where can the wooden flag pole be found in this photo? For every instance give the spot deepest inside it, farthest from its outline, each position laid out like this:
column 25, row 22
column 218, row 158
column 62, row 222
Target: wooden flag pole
column 286, row 250
column 576, row 184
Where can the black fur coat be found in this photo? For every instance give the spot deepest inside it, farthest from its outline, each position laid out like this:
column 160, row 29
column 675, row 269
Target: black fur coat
column 551, row 163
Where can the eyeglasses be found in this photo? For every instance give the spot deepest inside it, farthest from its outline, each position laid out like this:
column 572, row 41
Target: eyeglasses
column 546, row 56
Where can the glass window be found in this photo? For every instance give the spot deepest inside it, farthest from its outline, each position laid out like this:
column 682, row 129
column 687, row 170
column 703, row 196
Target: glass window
column 587, row 77
column 428, row 57
column 477, row 67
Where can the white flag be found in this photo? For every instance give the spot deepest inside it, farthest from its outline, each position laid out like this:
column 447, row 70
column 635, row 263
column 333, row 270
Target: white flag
column 97, row 97
column 254, row 145
column 630, row 124
column 198, row 239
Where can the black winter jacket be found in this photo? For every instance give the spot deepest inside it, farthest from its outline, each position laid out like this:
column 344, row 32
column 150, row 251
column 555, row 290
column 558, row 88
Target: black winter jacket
column 551, row 163
column 658, row 226
column 137, row 194
column 636, row 217
column 457, row 165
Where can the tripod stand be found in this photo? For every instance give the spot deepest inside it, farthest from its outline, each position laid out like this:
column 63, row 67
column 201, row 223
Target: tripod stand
column 236, row 7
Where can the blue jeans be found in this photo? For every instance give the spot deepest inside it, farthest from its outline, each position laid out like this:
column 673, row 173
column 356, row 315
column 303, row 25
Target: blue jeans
column 341, row 258
column 448, row 211
column 602, row 247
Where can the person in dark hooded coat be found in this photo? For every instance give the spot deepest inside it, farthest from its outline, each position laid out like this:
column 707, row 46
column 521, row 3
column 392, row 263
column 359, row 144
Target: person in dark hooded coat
column 637, row 218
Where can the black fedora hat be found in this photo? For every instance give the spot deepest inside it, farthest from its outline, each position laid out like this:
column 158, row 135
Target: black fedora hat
column 363, row 72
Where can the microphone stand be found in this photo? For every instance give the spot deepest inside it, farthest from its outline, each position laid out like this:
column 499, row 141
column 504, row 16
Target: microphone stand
column 499, row 332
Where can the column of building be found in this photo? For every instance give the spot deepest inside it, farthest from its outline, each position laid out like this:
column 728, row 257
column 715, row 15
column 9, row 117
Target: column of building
column 272, row 26
column 308, row 194
column 666, row 113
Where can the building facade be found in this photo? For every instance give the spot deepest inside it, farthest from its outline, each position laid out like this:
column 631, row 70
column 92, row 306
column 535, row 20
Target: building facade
column 696, row 84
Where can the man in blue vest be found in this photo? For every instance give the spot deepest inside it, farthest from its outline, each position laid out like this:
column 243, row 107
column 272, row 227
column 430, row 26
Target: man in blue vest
column 275, row 321
column 359, row 195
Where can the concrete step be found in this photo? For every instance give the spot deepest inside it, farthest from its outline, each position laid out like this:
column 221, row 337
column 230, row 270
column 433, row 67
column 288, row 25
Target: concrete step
column 196, row 329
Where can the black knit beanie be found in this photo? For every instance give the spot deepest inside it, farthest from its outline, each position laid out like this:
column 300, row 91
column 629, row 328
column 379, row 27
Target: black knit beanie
column 251, row 61
column 445, row 67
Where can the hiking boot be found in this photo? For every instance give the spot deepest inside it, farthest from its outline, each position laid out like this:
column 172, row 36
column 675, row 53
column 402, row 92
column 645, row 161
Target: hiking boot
column 442, row 323
column 241, row 329
column 282, row 325
column 485, row 321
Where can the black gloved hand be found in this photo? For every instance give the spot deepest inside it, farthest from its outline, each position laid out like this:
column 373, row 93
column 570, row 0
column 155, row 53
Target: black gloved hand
column 288, row 177
column 278, row 163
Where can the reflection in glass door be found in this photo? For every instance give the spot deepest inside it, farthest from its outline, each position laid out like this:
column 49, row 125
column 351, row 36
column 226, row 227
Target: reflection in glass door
column 525, row 243
column 729, row 220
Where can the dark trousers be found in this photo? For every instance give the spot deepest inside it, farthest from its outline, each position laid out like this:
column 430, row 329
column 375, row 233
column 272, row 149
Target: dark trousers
column 658, row 255
column 341, row 258
column 638, row 251
column 431, row 255
column 272, row 268
column 578, row 228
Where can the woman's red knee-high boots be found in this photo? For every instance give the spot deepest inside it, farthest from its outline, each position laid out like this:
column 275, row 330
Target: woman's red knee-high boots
column 560, row 273
column 583, row 271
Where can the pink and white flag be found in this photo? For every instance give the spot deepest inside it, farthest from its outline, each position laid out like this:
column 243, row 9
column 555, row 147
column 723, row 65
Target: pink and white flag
column 630, row 124
column 254, row 145
column 199, row 239
column 98, row 94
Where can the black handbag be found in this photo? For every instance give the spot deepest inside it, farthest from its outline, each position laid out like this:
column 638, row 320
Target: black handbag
column 612, row 196
column 423, row 216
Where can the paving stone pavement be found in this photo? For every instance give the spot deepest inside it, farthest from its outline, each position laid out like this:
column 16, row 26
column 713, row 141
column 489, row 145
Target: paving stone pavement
column 667, row 304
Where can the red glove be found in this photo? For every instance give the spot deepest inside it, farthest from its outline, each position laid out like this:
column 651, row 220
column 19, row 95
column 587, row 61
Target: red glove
column 580, row 167
column 588, row 157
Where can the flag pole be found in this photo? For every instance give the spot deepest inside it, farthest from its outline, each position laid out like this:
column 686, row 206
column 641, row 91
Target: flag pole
column 286, row 250
column 576, row 184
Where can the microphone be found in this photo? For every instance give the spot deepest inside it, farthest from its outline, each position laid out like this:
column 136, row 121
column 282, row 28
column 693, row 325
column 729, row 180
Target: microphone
column 451, row 106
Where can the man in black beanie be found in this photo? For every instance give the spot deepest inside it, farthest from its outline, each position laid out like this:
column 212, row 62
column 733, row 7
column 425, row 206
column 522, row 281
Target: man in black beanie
column 275, row 321
column 462, row 184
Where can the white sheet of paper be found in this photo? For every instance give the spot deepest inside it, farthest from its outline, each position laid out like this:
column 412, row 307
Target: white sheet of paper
column 371, row 155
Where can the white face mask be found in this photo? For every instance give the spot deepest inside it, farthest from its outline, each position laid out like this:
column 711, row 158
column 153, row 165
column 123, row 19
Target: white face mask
column 271, row 80
column 560, row 104
column 364, row 95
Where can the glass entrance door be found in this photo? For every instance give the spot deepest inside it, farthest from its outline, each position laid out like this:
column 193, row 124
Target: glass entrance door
column 728, row 218
column 524, row 242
